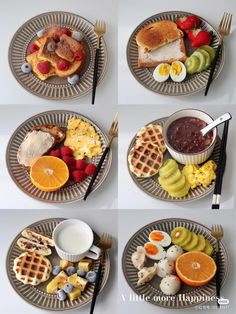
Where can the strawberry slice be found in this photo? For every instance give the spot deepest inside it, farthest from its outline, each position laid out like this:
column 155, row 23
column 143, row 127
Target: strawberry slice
column 201, row 38
column 188, row 22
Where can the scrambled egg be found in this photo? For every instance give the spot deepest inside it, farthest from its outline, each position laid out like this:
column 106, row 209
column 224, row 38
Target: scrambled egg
column 203, row 175
column 82, row 138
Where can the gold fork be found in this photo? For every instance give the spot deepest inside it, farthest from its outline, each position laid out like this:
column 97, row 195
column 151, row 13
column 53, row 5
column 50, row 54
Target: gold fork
column 105, row 244
column 100, row 30
column 113, row 132
column 217, row 232
column 224, row 30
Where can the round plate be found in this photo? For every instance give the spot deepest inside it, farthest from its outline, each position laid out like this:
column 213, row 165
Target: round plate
column 37, row 295
column 55, row 87
column 71, row 191
column 192, row 83
column 151, row 291
column 153, row 188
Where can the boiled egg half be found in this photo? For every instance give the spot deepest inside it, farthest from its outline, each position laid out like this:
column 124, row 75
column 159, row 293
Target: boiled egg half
column 177, row 71
column 161, row 72
column 160, row 237
column 154, row 251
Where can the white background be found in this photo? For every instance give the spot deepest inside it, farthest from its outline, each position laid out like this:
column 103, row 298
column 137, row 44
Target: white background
column 133, row 12
column 126, row 230
column 14, row 13
column 143, row 115
column 13, row 222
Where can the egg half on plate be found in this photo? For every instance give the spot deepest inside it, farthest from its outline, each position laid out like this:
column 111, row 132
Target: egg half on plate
column 158, row 237
column 177, row 72
column 154, row 251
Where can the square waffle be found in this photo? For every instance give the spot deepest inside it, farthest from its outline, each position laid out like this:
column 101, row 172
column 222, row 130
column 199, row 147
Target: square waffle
column 152, row 133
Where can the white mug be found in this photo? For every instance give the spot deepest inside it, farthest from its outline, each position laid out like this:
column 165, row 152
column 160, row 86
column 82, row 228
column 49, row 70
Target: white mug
column 73, row 240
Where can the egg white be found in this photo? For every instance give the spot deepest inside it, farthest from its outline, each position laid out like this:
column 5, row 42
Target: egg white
column 158, row 77
column 164, row 242
column 181, row 76
column 160, row 255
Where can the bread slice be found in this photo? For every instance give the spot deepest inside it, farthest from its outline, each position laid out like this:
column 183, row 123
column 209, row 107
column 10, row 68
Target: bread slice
column 31, row 246
column 158, row 34
column 58, row 133
column 38, row 237
column 166, row 54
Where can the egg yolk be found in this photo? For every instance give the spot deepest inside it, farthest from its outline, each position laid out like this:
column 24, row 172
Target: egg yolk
column 156, row 236
column 176, row 68
column 151, row 249
column 164, row 69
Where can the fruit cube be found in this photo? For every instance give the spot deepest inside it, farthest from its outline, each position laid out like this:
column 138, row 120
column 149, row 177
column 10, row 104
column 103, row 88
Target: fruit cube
column 65, row 264
column 53, row 284
column 85, row 264
column 81, row 283
column 73, row 280
column 74, row 294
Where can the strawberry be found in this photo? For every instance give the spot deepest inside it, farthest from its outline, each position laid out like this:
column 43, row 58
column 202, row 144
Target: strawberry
column 44, row 67
column 63, row 65
column 79, row 55
column 65, row 31
column 193, row 33
column 66, row 151
column 188, row 22
column 80, row 164
column 33, row 48
column 90, row 169
column 55, row 153
column 195, row 21
column 78, row 175
column 201, row 38
column 70, row 161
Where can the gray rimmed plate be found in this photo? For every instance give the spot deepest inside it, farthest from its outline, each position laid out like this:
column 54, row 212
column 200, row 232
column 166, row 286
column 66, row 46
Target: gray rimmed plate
column 187, row 296
column 193, row 83
column 151, row 186
column 37, row 295
column 71, row 191
column 54, row 87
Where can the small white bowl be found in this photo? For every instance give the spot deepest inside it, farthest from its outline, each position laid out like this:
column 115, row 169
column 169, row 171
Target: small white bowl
column 189, row 158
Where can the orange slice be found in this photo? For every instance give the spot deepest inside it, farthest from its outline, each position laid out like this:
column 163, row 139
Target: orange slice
column 195, row 268
column 49, row 173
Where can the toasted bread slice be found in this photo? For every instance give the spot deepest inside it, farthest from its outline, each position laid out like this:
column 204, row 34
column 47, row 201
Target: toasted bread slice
column 38, row 237
column 167, row 54
column 67, row 46
column 31, row 246
column 158, row 34
column 53, row 129
column 44, row 54
column 34, row 59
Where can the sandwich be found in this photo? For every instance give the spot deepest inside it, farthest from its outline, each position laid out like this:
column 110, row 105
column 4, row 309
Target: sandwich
column 31, row 246
column 38, row 237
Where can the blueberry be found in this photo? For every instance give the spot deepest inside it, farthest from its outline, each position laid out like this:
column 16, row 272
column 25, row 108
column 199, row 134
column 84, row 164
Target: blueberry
column 41, row 32
column 78, row 36
column 68, row 288
column 61, row 296
column 26, row 68
column 56, row 270
column 51, row 46
column 91, row 276
column 81, row 273
column 71, row 270
column 74, row 79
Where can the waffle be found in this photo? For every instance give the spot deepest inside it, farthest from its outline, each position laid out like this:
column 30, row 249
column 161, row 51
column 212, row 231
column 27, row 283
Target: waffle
column 145, row 159
column 32, row 268
column 152, row 133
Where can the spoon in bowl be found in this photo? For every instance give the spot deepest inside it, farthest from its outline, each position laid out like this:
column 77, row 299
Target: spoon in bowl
column 225, row 117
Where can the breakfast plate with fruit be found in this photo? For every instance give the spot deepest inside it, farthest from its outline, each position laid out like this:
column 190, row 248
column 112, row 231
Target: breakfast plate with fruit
column 52, row 55
column 169, row 159
column 52, row 156
column 170, row 262
column 43, row 278
column 170, row 53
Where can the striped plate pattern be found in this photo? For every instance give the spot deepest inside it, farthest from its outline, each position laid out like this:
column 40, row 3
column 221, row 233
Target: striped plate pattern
column 37, row 295
column 193, row 83
column 153, row 188
column 56, row 88
column 71, row 191
column 151, row 290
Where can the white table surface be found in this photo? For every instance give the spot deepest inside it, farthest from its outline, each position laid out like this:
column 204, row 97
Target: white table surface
column 14, row 13
column 133, row 12
column 13, row 198
column 100, row 221
column 126, row 229
column 137, row 199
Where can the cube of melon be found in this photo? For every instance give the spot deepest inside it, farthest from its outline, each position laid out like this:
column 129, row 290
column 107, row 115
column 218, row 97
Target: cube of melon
column 85, row 264
column 74, row 294
column 73, row 280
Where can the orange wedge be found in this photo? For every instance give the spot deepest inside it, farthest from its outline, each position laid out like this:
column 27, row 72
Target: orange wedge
column 195, row 268
column 49, row 173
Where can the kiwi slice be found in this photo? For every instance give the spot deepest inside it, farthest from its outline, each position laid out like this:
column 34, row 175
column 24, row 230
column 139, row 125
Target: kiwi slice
column 187, row 240
column 168, row 167
column 182, row 192
column 176, row 186
column 210, row 50
column 208, row 248
column 174, row 177
column 192, row 243
column 178, row 235
column 200, row 245
column 202, row 60
column 207, row 56
column 192, row 64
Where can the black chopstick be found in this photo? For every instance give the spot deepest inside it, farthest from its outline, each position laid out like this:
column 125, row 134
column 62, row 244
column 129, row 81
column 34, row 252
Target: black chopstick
column 218, row 276
column 96, row 288
column 95, row 75
column 220, row 169
column 96, row 172
column 213, row 66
